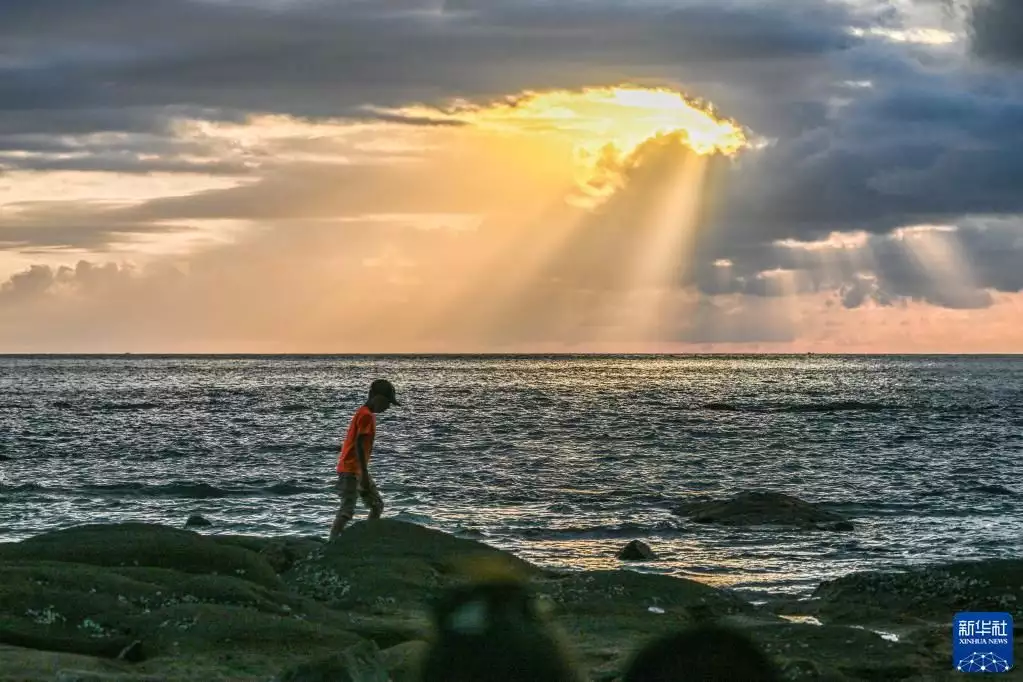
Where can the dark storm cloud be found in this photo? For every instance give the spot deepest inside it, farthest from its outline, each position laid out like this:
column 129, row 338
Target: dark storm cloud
column 914, row 149
column 997, row 30
column 330, row 59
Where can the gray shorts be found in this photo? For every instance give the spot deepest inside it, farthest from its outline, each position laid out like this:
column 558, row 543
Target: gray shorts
column 348, row 490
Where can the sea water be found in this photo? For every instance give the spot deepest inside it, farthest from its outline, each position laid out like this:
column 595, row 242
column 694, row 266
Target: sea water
column 561, row 460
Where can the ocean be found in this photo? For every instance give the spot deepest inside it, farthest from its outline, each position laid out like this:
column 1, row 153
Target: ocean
column 559, row 459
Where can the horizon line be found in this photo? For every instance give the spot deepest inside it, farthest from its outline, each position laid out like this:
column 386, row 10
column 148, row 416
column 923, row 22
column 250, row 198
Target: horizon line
column 506, row 354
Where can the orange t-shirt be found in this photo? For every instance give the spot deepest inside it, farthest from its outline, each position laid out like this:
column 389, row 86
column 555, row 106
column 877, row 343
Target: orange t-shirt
column 364, row 423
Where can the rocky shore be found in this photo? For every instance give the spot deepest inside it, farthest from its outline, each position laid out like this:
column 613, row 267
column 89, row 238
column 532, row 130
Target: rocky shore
column 147, row 602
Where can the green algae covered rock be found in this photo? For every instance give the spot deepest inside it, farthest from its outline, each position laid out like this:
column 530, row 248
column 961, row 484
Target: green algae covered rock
column 142, row 544
column 933, row 593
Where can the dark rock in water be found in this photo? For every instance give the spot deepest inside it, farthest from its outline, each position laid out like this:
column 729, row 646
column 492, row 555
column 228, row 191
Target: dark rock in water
column 841, row 527
column 5, row 458
column 636, row 551
column 197, row 521
column 760, row 508
column 994, row 490
column 359, row 663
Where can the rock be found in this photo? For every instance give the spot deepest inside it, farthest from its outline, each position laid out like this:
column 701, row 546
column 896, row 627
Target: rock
column 996, row 490
column 215, row 607
column 69, row 675
column 389, row 565
column 197, row 521
column 636, row 551
column 404, row 661
column 841, row 527
column 760, row 508
column 927, row 594
column 132, row 653
column 359, row 663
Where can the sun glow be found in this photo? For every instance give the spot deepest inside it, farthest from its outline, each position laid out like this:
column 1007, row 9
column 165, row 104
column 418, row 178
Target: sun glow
column 564, row 254
column 621, row 117
column 602, row 125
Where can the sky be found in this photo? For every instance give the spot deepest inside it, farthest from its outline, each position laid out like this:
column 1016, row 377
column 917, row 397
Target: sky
column 420, row 176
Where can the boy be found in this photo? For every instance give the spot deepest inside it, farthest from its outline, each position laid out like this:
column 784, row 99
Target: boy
column 353, row 479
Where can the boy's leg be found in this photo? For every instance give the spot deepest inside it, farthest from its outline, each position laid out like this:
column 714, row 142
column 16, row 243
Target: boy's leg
column 371, row 498
column 348, row 490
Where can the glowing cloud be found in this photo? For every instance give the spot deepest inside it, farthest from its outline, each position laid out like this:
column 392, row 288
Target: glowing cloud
column 602, row 126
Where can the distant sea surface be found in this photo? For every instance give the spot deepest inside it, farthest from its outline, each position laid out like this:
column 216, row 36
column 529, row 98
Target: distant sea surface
column 559, row 459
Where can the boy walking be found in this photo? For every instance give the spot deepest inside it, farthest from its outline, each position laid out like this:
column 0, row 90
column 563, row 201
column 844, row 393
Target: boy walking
column 353, row 479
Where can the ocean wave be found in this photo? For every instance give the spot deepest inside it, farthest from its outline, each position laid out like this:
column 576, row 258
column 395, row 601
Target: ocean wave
column 289, row 488
column 180, row 489
column 625, row 531
column 103, row 407
column 826, row 407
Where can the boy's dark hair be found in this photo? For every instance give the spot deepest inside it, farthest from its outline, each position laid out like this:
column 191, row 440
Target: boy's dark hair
column 384, row 388
column 710, row 653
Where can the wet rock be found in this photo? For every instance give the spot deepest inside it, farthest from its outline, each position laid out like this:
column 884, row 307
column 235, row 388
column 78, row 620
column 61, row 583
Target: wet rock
column 69, row 675
column 197, row 521
column 841, row 527
column 142, row 545
column 133, row 653
column 359, row 663
column 214, row 607
column 404, row 661
column 925, row 593
column 388, row 566
column 636, row 551
column 760, row 508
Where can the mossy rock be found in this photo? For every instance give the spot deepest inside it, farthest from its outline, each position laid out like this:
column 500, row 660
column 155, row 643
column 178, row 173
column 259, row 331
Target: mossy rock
column 280, row 553
column 358, row 663
column 404, row 661
column 139, row 544
column 205, row 628
column 98, row 611
column 386, row 566
column 629, row 592
column 926, row 594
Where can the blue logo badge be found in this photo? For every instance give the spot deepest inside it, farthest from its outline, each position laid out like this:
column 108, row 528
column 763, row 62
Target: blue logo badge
column 982, row 642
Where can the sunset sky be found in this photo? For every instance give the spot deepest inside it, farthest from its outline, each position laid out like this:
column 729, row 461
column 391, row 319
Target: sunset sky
column 377, row 176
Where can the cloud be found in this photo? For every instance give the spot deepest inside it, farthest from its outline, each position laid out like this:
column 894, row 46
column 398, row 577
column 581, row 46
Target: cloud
column 955, row 267
column 319, row 59
column 310, row 124
column 998, row 30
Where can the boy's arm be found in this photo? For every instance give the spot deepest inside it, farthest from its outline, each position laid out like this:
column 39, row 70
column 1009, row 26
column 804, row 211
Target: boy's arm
column 360, row 453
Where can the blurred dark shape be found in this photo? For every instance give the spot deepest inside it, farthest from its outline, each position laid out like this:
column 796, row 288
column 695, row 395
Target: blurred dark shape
column 707, row 653
column 494, row 629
